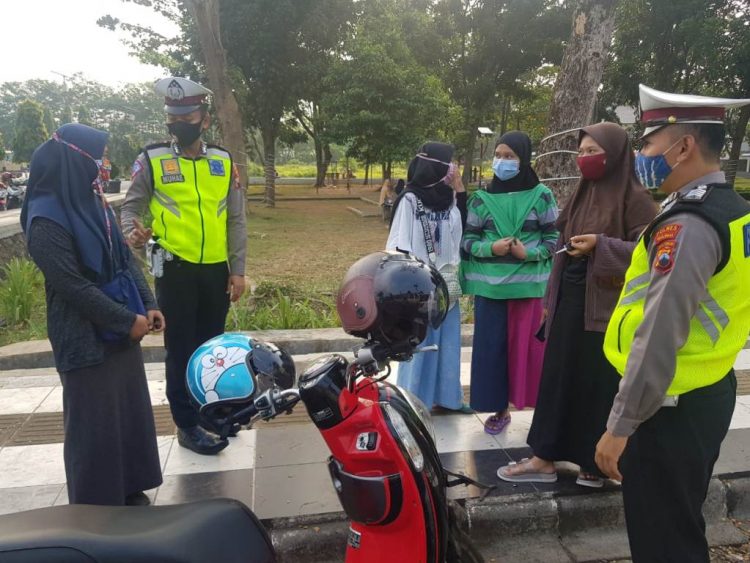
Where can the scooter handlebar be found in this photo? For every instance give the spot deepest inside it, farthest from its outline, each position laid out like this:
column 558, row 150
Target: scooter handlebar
column 273, row 402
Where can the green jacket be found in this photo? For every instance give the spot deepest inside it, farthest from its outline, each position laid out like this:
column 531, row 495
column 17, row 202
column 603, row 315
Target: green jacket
column 529, row 216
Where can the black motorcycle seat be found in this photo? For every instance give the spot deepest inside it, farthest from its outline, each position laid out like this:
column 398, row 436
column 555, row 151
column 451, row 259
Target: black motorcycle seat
column 212, row 531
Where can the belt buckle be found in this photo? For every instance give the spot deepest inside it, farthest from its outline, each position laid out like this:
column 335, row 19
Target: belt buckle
column 671, row 401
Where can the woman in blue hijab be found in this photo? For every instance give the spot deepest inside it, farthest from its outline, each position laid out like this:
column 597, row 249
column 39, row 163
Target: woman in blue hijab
column 99, row 307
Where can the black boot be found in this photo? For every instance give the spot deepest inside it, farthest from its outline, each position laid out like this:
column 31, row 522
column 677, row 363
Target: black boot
column 201, row 442
column 137, row 499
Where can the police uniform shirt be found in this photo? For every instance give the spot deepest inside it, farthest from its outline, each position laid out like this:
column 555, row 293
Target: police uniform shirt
column 677, row 286
column 142, row 190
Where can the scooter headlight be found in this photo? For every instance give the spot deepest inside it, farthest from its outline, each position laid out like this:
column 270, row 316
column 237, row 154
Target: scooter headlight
column 405, row 436
column 421, row 409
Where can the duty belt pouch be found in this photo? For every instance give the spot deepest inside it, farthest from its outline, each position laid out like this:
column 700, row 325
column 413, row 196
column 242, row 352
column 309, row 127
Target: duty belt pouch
column 449, row 272
column 156, row 257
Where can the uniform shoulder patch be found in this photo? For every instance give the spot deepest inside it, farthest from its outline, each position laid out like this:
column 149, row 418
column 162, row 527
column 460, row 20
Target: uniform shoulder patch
column 666, row 233
column 697, row 194
column 136, row 169
column 665, row 242
column 664, row 261
column 236, row 178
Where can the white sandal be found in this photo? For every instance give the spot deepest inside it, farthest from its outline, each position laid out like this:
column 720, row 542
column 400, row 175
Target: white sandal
column 526, row 477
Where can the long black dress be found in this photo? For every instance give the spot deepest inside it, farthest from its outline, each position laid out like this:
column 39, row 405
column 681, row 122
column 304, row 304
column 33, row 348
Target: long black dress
column 578, row 382
column 110, row 439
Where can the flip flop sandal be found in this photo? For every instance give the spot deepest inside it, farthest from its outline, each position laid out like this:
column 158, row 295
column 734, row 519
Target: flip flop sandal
column 593, row 482
column 526, row 477
column 496, row 424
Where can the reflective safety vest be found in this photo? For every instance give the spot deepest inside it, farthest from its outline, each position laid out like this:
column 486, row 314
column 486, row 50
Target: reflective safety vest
column 189, row 205
column 719, row 329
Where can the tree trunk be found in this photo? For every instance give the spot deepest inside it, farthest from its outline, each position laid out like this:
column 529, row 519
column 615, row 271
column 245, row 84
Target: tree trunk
column 469, row 155
column 269, row 164
column 505, row 115
column 389, row 169
column 327, row 157
column 383, row 171
column 320, row 169
column 367, row 174
column 205, row 13
column 738, row 135
column 574, row 95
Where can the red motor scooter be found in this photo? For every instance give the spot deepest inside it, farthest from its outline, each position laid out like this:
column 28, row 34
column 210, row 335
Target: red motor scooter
column 384, row 464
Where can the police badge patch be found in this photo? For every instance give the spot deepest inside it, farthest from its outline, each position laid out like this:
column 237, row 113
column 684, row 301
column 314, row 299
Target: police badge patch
column 175, row 90
column 216, row 167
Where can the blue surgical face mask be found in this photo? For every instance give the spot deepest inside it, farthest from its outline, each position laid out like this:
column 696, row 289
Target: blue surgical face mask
column 653, row 170
column 505, row 169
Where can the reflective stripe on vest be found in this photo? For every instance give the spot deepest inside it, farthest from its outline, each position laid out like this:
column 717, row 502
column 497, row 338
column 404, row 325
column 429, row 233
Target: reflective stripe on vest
column 189, row 205
column 718, row 330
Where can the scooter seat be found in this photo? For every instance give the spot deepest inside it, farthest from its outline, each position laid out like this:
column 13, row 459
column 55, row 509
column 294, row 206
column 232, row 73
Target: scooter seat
column 213, row 531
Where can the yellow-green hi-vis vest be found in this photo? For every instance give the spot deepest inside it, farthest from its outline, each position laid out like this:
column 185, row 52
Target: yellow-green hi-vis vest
column 719, row 329
column 189, row 205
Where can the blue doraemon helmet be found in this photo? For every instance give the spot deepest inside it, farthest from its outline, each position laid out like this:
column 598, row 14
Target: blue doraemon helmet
column 226, row 373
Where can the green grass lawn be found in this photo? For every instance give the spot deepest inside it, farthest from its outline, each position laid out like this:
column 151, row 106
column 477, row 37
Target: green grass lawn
column 310, row 171
column 309, row 245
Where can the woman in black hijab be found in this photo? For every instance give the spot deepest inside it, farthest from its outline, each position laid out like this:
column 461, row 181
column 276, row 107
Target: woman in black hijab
column 99, row 307
column 507, row 248
column 430, row 197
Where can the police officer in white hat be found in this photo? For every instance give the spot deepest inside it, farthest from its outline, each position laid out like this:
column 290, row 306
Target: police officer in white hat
column 682, row 318
column 197, row 253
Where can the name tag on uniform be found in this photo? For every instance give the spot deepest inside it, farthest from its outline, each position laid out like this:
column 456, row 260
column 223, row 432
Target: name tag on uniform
column 217, row 168
column 171, row 172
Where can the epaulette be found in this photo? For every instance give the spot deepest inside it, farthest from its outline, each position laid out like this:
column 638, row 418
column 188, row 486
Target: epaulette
column 220, row 148
column 697, row 195
column 161, row 145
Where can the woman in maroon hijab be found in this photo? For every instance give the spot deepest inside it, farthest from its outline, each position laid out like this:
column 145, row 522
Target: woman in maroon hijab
column 600, row 224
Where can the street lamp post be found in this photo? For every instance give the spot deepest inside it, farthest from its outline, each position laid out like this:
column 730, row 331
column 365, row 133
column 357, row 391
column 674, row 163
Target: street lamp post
column 484, row 133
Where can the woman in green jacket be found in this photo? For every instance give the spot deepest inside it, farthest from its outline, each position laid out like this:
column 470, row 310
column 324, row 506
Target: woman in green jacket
column 507, row 249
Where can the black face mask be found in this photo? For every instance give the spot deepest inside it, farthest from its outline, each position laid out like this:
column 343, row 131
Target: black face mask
column 186, row 133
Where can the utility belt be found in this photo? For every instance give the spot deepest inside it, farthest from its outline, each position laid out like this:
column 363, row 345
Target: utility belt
column 673, row 400
column 156, row 256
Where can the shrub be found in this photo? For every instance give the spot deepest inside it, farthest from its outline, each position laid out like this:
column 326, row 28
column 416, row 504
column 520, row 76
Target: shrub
column 273, row 307
column 22, row 289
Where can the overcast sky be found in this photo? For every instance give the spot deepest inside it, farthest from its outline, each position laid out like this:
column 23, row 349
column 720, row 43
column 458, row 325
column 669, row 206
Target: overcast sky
column 41, row 36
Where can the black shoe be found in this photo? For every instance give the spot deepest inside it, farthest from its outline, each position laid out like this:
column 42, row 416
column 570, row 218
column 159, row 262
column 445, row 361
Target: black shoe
column 200, row 441
column 137, row 499
column 232, row 432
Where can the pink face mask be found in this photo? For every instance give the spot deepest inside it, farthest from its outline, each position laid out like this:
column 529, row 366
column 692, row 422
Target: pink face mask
column 97, row 184
column 449, row 177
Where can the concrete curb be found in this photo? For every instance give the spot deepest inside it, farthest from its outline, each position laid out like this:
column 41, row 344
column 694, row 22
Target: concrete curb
column 579, row 527
column 38, row 353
